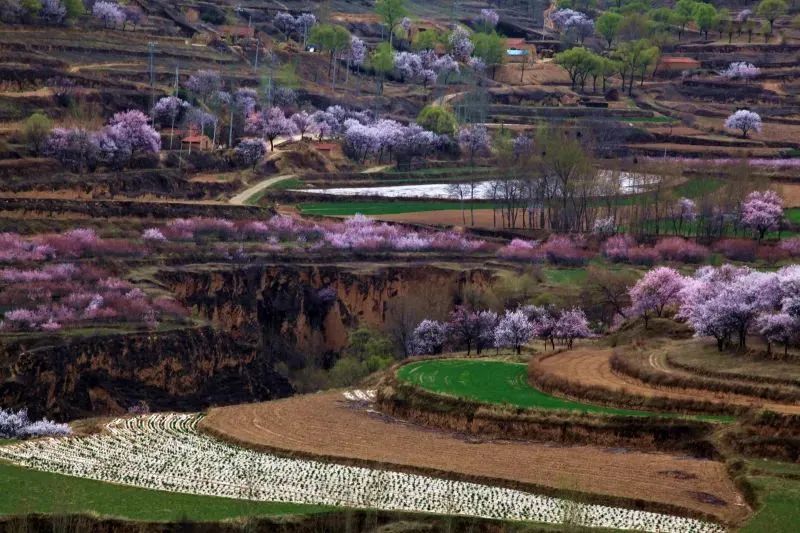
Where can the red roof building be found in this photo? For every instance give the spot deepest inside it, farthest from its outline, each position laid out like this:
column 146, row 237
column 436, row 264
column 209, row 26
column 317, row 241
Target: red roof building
column 196, row 142
column 325, row 147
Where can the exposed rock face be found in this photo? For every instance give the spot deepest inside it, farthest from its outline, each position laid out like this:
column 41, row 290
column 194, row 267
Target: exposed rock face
column 290, row 310
column 298, row 315
column 184, row 369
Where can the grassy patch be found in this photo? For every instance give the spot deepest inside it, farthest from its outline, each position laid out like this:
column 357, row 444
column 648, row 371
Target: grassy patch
column 703, row 354
column 495, row 382
column 780, row 505
column 564, row 276
column 289, row 183
column 697, row 187
column 24, row 491
column 776, row 468
column 440, row 170
column 379, row 208
column 793, row 215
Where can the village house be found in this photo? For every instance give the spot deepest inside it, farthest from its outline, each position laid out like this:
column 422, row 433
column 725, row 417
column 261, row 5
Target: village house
column 196, row 141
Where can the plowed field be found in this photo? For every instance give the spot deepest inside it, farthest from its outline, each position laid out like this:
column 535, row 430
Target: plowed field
column 324, row 425
column 591, row 367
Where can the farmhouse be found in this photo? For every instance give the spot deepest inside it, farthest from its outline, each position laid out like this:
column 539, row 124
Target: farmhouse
column 325, row 147
column 194, row 141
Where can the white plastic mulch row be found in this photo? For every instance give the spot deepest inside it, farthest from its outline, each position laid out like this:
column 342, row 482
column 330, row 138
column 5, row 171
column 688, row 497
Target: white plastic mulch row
column 624, row 182
column 166, row 452
column 359, row 395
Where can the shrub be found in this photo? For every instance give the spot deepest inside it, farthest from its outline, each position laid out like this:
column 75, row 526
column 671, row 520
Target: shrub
column 35, row 131
column 617, row 248
column 153, row 234
column 17, row 425
column 604, row 226
column 737, row 249
column 772, row 254
column 438, row 120
column 679, row 249
column 643, row 256
column 561, row 250
column 791, row 246
column 521, row 250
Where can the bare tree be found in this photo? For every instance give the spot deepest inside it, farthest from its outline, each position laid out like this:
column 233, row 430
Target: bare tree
column 461, row 191
column 402, row 316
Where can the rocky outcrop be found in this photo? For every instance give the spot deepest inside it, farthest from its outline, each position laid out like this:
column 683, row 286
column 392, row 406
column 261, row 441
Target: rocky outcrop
column 307, row 310
column 182, row 369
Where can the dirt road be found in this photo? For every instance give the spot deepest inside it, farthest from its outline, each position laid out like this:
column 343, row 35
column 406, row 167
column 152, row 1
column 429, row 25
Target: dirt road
column 242, row 197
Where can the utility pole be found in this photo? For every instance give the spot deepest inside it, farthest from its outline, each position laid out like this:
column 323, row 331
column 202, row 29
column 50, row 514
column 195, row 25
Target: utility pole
column 177, row 79
column 258, row 46
column 454, row 12
column 151, row 47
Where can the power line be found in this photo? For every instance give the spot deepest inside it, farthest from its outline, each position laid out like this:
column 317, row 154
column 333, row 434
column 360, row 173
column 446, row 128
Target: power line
column 151, row 47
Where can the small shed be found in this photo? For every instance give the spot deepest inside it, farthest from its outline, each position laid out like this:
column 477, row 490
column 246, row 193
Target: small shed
column 519, row 50
column 196, row 141
column 324, row 147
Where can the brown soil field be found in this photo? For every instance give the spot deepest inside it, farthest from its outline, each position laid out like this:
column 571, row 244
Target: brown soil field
column 326, row 426
column 710, row 151
column 590, row 366
column 790, row 193
column 448, row 217
column 539, row 73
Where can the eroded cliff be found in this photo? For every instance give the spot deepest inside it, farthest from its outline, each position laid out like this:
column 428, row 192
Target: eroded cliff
column 307, row 310
column 183, row 369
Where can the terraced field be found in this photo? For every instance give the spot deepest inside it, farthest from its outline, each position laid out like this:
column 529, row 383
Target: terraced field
column 23, row 490
column 494, row 382
column 166, row 452
column 324, row 425
column 591, row 367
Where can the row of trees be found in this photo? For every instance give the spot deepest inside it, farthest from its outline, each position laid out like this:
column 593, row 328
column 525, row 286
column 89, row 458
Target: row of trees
column 481, row 329
column 631, row 59
column 634, row 35
column 41, row 11
column 55, row 12
column 551, row 181
column 726, row 303
column 127, row 133
column 629, row 20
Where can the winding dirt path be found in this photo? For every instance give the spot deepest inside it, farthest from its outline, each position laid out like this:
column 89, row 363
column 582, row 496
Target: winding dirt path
column 242, row 197
column 324, row 425
column 592, row 367
column 94, row 66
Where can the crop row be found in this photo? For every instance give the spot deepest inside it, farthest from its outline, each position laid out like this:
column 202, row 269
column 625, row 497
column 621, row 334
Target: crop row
column 167, row 452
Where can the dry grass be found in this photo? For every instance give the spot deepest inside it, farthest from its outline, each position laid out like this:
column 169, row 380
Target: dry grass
column 539, row 73
column 324, row 425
